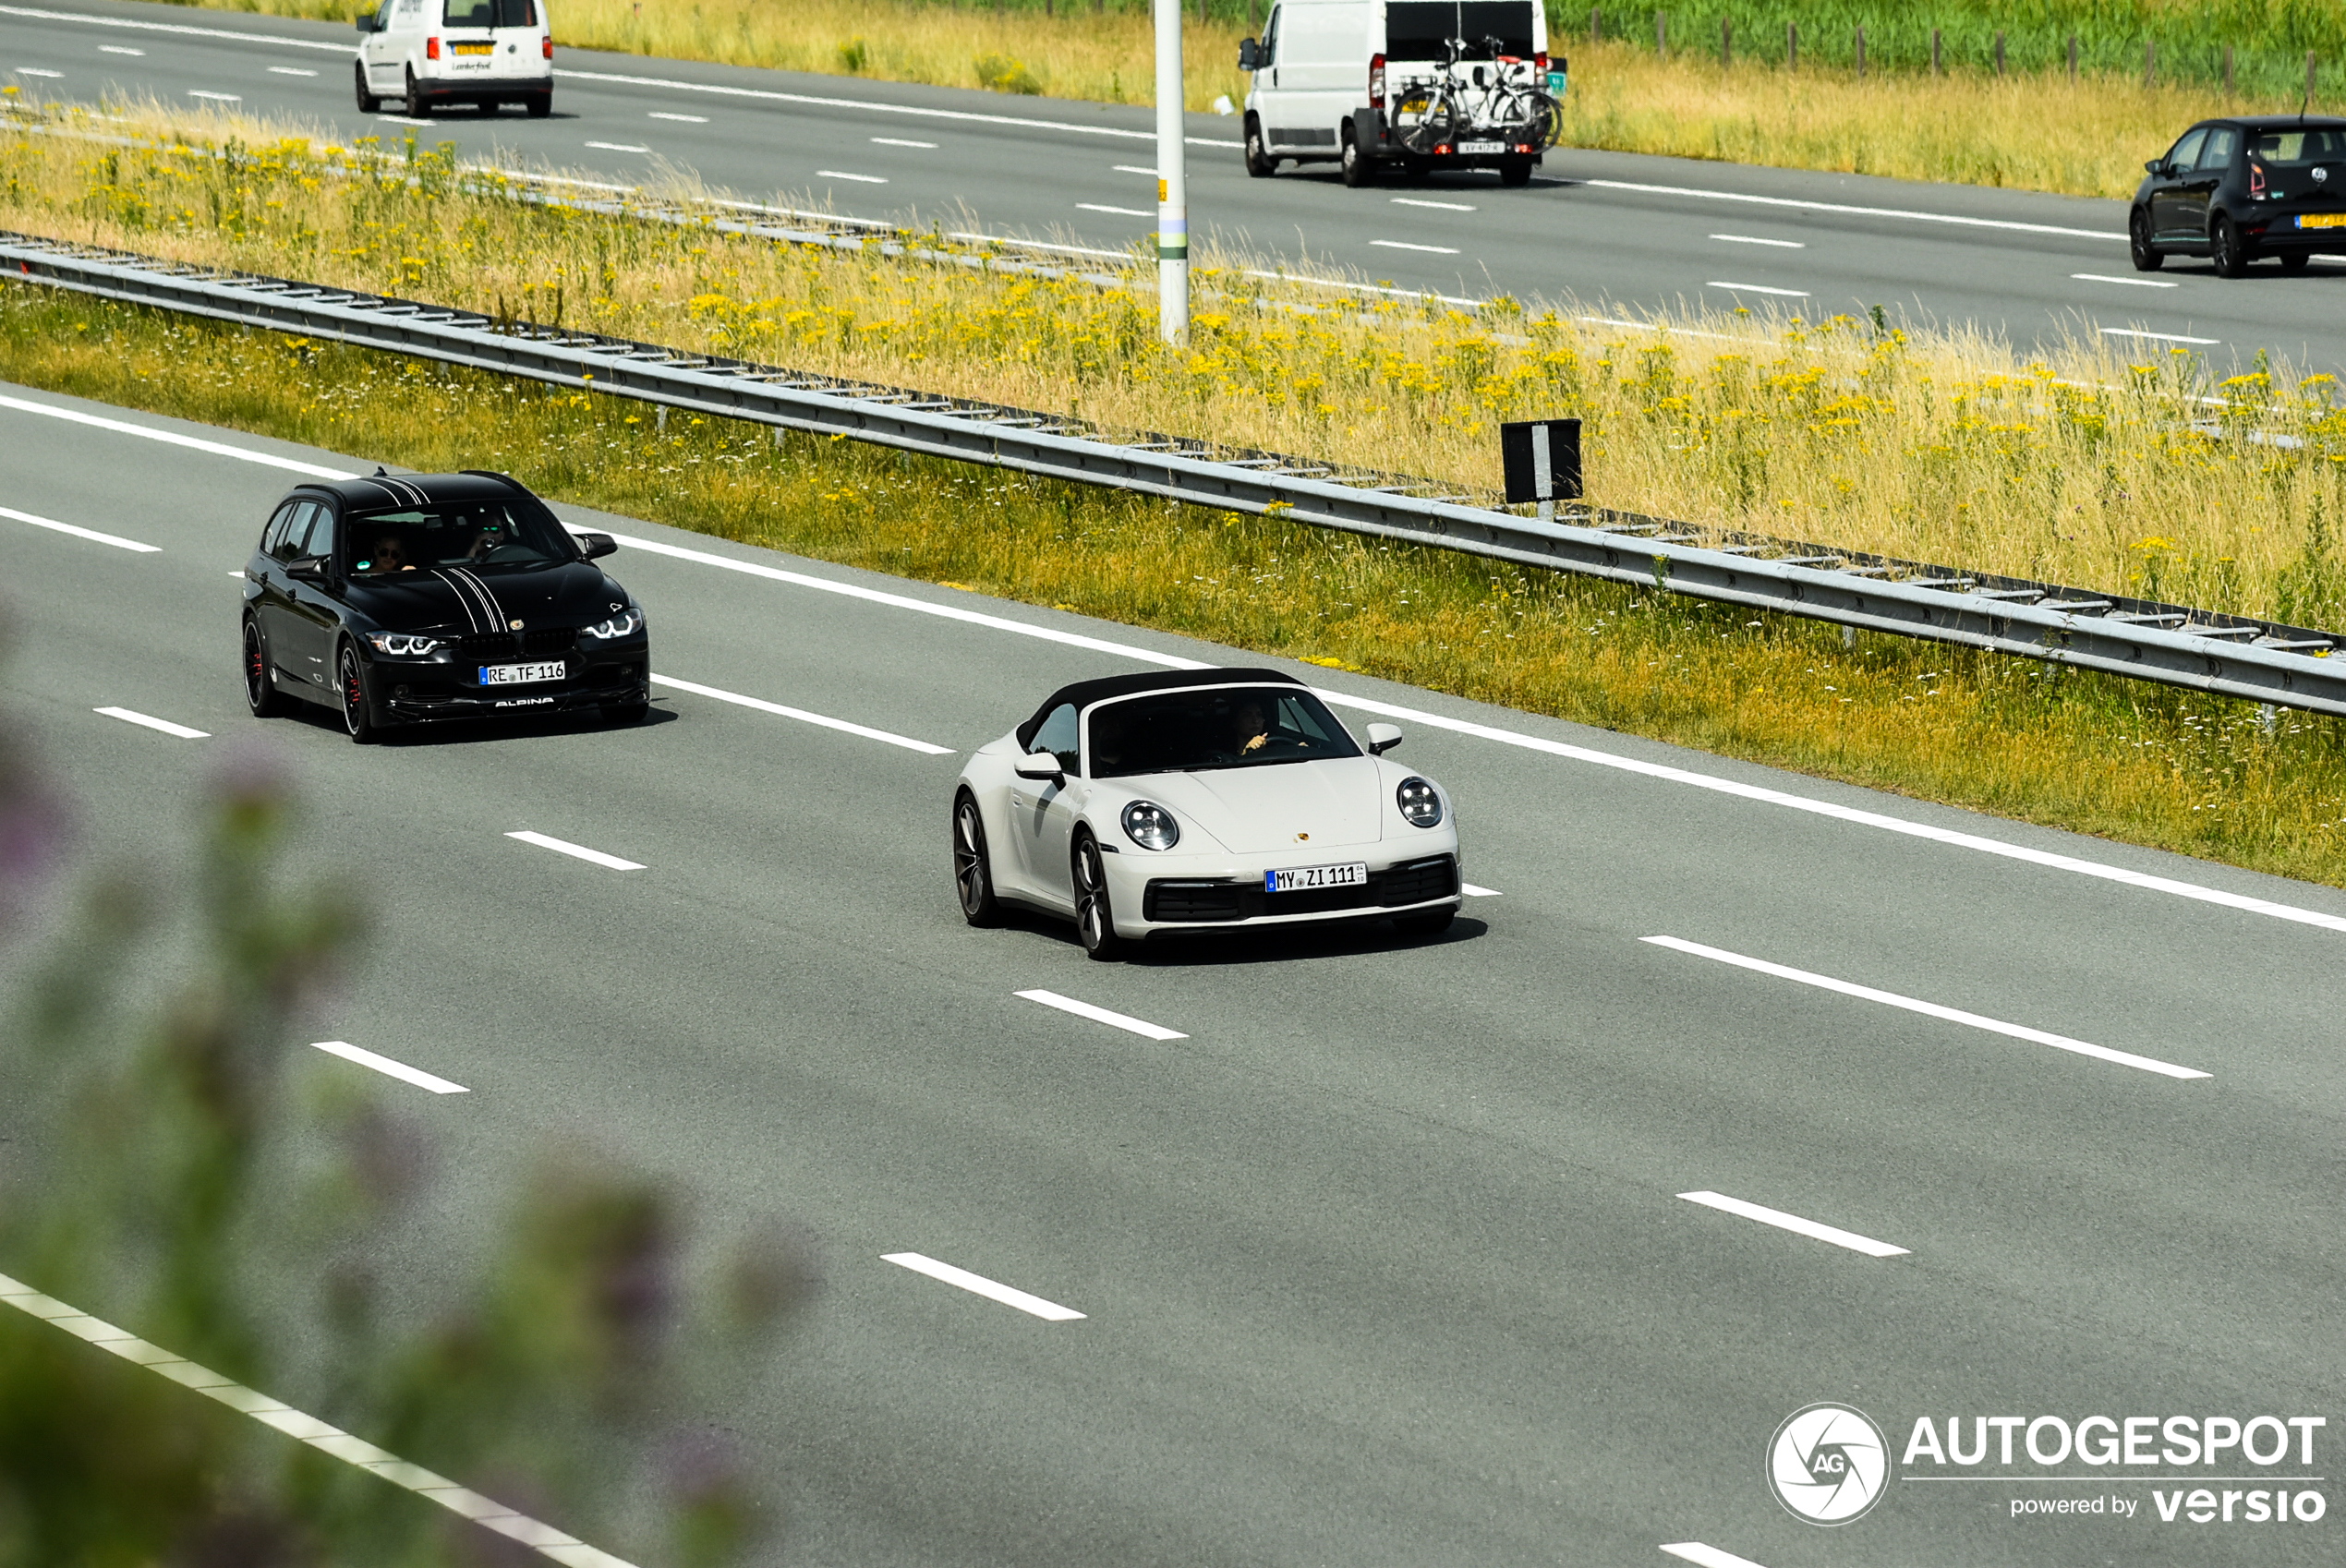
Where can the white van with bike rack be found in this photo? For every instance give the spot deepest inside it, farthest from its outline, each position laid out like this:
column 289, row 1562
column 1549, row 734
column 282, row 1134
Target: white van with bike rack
column 432, row 54
column 1418, row 84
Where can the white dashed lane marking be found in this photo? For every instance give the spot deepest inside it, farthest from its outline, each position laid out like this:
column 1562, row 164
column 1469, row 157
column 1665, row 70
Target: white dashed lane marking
column 2157, row 337
column 978, row 1285
column 686, row 119
column 563, row 847
column 80, row 533
column 1759, row 288
column 1703, row 1556
column 215, row 97
column 1755, row 239
column 1113, row 211
column 618, row 146
column 843, row 175
column 899, row 141
column 1405, row 245
column 804, row 716
column 1929, row 1009
column 1101, row 1015
column 2136, row 283
column 387, row 1067
column 146, row 721
column 1794, row 1224
column 290, row 71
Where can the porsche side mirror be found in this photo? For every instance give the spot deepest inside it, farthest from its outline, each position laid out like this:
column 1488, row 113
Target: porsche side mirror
column 365, row 22
column 311, row 569
column 594, row 546
column 1040, row 766
column 1250, row 55
column 1382, row 738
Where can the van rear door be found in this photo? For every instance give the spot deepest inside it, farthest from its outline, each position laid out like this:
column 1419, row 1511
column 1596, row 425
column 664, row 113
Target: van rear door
column 1320, row 74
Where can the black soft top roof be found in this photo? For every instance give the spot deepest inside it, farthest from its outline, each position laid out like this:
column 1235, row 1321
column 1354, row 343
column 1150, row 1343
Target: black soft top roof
column 1083, row 693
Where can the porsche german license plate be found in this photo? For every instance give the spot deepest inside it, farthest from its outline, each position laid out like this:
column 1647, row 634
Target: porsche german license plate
column 2321, row 220
column 474, row 48
column 1482, row 147
column 1303, row 878
column 519, row 674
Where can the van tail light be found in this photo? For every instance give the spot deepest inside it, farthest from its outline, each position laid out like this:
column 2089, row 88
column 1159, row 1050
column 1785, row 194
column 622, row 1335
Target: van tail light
column 2256, row 181
column 1540, row 61
column 547, row 45
column 431, row 49
column 1377, row 82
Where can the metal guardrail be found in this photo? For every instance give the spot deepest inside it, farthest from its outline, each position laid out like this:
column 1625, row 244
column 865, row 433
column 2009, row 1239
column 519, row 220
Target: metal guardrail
column 2172, row 644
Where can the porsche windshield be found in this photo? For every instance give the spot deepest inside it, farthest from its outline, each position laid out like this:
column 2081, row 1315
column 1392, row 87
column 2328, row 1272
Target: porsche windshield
column 457, row 533
column 1217, row 727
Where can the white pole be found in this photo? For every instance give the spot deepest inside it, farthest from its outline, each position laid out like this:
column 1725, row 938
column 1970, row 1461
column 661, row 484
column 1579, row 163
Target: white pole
column 1172, row 186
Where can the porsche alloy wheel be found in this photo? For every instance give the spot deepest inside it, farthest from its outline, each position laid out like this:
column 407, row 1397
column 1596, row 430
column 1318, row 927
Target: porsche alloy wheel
column 357, row 713
column 2147, row 257
column 261, row 689
column 1095, row 918
column 972, row 872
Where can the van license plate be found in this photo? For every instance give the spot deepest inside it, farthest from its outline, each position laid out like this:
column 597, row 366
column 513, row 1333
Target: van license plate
column 474, row 48
column 1303, row 878
column 519, row 674
column 2321, row 220
column 1482, row 147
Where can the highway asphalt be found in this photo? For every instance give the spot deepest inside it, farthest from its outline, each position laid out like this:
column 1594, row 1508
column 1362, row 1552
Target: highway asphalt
column 1386, row 1260
column 1604, row 229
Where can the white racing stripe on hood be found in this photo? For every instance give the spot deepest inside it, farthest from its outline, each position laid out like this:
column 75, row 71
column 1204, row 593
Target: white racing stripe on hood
column 1255, row 811
column 464, row 591
column 472, row 580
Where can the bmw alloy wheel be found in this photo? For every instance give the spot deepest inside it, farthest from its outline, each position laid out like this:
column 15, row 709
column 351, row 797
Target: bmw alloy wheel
column 1095, row 918
column 972, row 872
column 350, row 680
column 261, row 689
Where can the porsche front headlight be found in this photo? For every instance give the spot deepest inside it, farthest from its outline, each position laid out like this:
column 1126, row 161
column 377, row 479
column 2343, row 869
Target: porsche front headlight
column 402, row 644
column 1151, row 826
column 1419, row 801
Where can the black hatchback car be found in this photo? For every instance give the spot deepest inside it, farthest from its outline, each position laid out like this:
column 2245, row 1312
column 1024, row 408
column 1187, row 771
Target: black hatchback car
column 2234, row 190
column 424, row 596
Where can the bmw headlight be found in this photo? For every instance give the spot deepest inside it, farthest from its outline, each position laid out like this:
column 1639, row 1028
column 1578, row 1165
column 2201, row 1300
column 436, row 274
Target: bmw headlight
column 1151, row 826
column 1419, row 801
column 402, row 644
column 626, row 623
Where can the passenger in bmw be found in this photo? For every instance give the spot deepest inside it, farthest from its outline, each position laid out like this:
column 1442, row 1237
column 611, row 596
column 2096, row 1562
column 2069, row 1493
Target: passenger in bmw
column 389, row 556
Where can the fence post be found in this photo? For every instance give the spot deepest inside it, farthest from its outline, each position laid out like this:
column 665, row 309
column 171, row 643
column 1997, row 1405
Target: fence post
column 2000, row 51
column 1861, row 52
column 2309, row 79
column 2150, row 64
column 2072, row 56
column 1792, row 46
column 1596, row 31
column 1934, row 51
column 1662, row 34
column 2228, row 70
column 1726, row 41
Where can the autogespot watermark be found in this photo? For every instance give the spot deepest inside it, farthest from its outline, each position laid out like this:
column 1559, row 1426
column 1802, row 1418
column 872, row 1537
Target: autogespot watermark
column 1830, row 1464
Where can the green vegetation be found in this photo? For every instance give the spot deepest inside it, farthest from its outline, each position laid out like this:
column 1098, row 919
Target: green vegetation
column 2143, row 764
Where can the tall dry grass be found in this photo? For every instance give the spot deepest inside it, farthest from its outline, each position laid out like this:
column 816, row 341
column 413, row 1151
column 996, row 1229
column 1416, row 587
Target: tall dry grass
column 2084, row 467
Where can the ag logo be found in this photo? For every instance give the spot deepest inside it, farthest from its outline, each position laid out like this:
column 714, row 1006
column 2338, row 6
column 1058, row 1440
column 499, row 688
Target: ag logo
column 1827, row 1464
column 2321, row 173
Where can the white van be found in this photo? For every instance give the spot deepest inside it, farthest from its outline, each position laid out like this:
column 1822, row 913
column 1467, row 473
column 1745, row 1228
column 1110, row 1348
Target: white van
column 1420, row 84
column 429, row 53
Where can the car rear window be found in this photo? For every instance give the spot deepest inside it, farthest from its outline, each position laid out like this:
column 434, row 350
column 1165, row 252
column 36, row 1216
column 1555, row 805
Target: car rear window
column 1414, row 30
column 2312, row 145
column 489, row 13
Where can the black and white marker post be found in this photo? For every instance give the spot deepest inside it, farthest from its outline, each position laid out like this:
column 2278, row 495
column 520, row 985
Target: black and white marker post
column 1172, row 188
column 1542, row 461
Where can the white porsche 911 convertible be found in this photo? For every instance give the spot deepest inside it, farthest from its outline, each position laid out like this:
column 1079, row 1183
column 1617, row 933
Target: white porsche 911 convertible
column 1212, row 799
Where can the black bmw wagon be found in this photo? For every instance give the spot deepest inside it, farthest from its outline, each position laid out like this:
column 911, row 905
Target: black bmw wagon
column 424, row 596
column 2234, row 190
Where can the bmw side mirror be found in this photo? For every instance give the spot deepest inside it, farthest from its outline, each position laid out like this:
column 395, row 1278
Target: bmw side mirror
column 1250, row 55
column 2157, row 166
column 1382, row 738
column 1040, row 766
column 592, row 547
column 310, row 569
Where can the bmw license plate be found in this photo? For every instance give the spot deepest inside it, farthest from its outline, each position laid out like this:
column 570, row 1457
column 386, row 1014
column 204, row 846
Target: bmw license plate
column 1471, row 146
column 519, row 674
column 2321, row 220
column 1303, row 878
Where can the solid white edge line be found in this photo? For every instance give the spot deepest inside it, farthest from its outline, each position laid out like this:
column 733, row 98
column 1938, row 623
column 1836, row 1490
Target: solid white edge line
column 978, row 1285
column 767, row 95
column 1405, row 245
column 843, row 175
column 563, row 845
column 129, row 716
column 1102, row 1015
column 357, row 1452
column 1759, row 288
column 1714, row 782
column 194, row 443
column 215, row 97
column 1118, row 212
column 1755, row 239
column 91, row 533
column 680, row 119
column 1794, row 1224
column 181, row 28
column 387, row 1067
column 1039, row 244
column 1856, row 212
column 803, row 716
column 619, row 146
column 1704, row 1556
column 2157, row 337
column 1929, row 1009
column 1444, row 206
